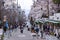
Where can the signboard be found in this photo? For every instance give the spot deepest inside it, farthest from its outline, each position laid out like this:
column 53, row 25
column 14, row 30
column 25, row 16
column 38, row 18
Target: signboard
column 56, row 16
column 1, row 31
column 0, row 22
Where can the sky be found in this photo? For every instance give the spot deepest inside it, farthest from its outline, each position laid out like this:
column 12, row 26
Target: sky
column 26, row 5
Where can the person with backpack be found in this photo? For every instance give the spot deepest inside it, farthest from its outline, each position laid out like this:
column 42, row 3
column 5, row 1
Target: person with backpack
column 5, row 26
column 37, row 31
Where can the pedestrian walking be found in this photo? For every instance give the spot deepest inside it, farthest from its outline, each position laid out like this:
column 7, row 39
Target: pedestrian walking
column 5, row 27
column 10, row 30
column 24, row 25
column 44, row 27
column 59, row 34
column 28, row 28
column 37, row 31
column 21, row 29
column 32, row 30
column 56, row 32
column 15, row 27
column 41, row 33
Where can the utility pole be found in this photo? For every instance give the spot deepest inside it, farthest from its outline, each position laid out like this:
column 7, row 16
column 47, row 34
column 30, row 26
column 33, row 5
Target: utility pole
column 48, row 8
column 17, row 4
column 16, row 19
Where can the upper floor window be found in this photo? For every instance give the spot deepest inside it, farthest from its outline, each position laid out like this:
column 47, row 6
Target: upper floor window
column 37, row 0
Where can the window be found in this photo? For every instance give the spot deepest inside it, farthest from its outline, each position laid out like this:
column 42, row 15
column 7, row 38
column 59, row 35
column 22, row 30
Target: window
column 37, row 0
column 57, row 17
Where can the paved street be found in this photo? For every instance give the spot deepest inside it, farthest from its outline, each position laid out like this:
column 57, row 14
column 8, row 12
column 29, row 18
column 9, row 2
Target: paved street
column 18, row 36
column 26, row 36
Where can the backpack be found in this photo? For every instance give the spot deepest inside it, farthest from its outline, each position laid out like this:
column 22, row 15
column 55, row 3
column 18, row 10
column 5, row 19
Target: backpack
column 37, row 30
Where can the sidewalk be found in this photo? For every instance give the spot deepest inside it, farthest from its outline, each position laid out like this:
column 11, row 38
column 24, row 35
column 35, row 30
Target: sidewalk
column 50, row 37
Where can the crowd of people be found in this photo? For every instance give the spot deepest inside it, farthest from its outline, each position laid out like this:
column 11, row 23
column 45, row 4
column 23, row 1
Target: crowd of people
column 45, row 29
column 9, row 28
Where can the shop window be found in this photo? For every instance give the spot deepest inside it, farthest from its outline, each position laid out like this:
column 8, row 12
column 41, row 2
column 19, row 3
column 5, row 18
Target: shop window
column 57, row 17
column 44, row 16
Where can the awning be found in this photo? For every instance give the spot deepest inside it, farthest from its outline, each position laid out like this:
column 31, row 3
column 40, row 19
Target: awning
column 52, row 21
column 46, row 21
column 39, row 21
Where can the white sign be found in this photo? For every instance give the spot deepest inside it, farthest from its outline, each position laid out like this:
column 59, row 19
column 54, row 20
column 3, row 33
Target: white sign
column 1, row 31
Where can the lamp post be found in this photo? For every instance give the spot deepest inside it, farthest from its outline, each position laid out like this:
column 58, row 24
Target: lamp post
column 48, row 7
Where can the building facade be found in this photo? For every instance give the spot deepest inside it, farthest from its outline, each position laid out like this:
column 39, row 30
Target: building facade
column 1, row 7
column 10, row 3
column 42, row 7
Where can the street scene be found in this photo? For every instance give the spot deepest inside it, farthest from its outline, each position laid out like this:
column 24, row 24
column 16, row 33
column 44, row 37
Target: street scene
column 29, row 19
